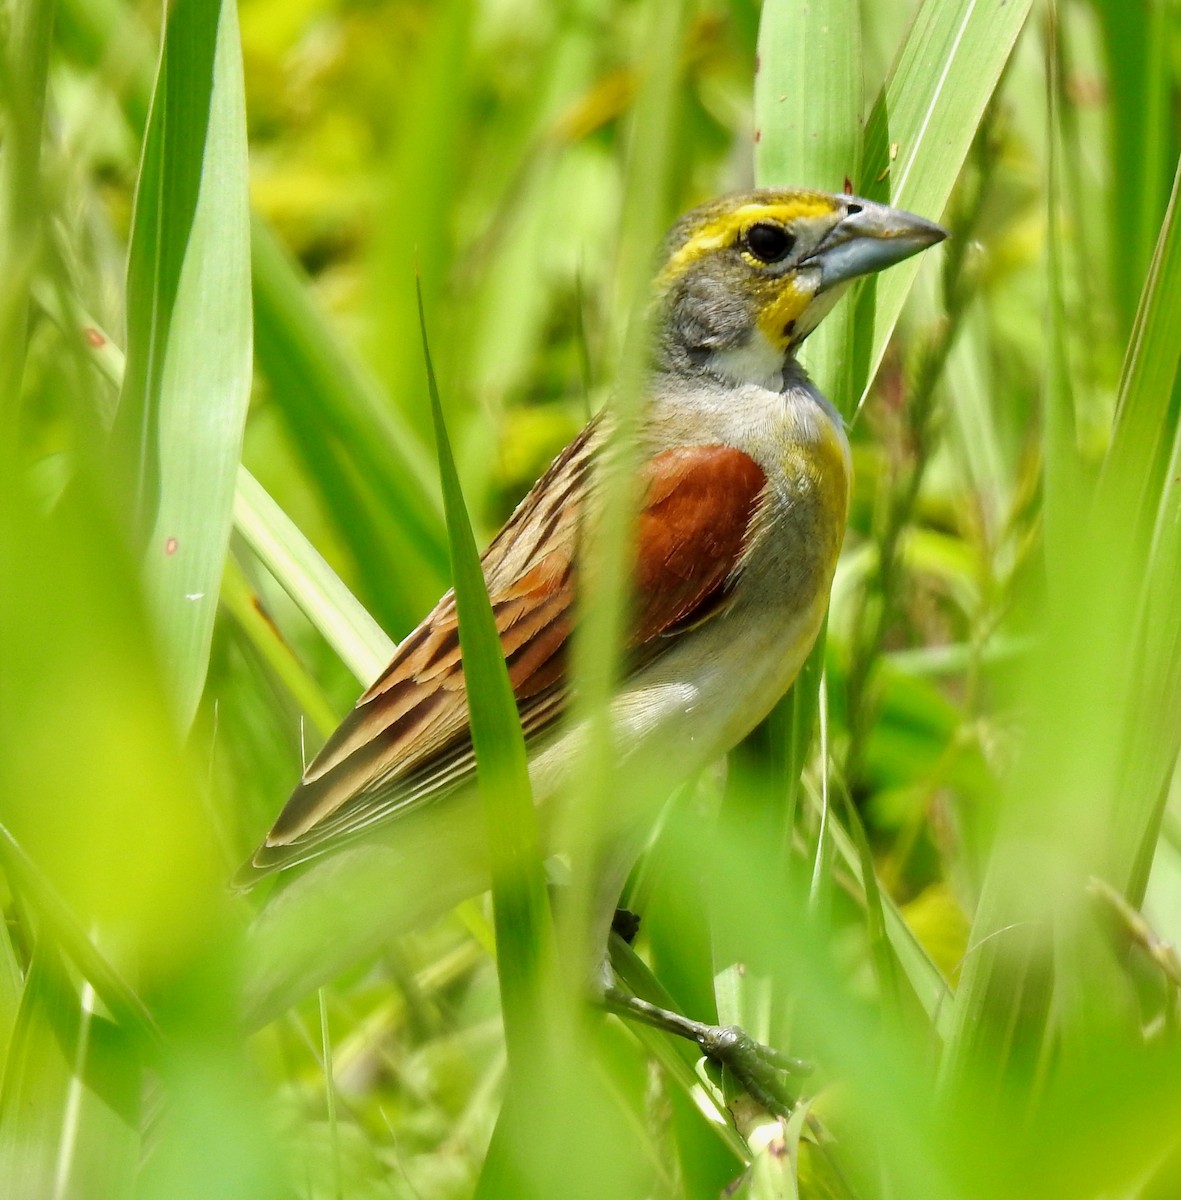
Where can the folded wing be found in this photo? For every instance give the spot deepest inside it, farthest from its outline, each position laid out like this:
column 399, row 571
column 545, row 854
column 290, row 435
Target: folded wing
column 408, row 739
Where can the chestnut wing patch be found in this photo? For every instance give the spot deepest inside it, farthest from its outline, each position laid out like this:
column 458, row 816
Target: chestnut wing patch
column 408, row 739
column 698, row 509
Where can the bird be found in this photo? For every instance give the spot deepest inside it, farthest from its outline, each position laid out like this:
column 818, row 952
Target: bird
column 743, row 485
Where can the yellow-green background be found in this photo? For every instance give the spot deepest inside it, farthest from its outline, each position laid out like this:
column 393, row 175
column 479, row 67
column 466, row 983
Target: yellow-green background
column 1001, row 708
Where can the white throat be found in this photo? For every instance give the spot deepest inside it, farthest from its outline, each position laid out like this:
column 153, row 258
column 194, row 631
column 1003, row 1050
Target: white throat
column 756, row 362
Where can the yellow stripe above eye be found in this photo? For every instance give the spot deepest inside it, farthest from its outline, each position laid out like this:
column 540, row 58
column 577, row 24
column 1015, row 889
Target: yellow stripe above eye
column 724, row 229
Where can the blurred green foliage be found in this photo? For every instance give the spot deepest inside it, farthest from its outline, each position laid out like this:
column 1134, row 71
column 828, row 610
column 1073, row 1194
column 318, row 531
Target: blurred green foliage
column 1002, row 677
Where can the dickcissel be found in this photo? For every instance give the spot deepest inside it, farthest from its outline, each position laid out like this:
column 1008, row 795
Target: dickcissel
column 743, row 500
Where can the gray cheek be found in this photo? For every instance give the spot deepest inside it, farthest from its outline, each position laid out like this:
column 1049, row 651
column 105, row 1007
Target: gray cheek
column 711, row 314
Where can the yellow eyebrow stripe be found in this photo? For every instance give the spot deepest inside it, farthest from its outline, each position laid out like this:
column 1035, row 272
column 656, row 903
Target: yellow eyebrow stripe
column 724, row 229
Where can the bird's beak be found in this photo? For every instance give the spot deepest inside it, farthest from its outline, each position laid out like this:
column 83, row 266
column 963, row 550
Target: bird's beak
column 869, row 237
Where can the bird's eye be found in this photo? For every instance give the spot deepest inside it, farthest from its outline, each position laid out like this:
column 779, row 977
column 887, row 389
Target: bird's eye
column 769, row 243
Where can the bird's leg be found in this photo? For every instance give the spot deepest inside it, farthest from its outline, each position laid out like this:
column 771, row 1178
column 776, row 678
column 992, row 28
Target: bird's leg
column 762, row 1071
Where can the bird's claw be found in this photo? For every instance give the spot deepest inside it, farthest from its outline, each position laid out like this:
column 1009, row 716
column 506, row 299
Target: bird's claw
column 762, row 1071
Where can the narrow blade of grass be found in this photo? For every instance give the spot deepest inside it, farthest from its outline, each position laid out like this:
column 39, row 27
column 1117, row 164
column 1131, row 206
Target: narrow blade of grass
column 24, row 70
column 334, row 410
column 1148, row 403
column 1146, row 409
column 1063, row 492
column 66, row 931
column 600, row 790
column 524, row 930
column 816, row 143
column 304, row 575
column 58, row 1135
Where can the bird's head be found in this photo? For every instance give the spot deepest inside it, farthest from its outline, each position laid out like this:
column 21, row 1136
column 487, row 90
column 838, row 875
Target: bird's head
column 744, row 279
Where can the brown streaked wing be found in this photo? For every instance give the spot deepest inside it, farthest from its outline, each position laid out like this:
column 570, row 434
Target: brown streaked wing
column 408, row 738
column 417, row 707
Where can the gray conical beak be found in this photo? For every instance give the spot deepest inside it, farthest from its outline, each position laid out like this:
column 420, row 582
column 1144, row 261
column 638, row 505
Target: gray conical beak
column 869, row 237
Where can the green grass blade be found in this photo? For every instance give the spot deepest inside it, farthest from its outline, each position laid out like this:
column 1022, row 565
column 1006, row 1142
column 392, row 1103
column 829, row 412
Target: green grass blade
column 1097, row 768
column 1152, row 755
column 808, row 137
column 812, row 138
column 812, row 142
column 1063, row 482
column 59, row 923
column 1136, row 42
column 304, row 575
column 11, row 985
column 1146, row 410
column 243, row 603
column 183, row 404
column 59, row 1134
column 816, row 143
column 1148, row 406
column 524, row 931
column 600, row 790
column 324, row 396
column 922, row 126
column 24, row 69
column 270, row 533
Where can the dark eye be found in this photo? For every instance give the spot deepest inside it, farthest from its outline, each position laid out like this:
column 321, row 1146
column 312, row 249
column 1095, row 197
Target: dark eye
column 769, row 243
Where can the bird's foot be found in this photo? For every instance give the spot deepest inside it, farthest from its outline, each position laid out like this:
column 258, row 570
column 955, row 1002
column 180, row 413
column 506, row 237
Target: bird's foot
column 761, row 1071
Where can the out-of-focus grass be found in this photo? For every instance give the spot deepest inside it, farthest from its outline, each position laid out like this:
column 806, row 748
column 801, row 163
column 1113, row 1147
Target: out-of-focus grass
column 1002, row 660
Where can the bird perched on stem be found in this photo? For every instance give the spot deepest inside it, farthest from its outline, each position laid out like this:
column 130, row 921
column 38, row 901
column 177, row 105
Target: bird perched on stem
column 743, row 494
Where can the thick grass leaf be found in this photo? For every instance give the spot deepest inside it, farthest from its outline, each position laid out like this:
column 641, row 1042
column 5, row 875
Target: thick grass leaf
column 1153, row 753
column 1136, row 41
column 600, row 791
column 24, row 67
column 922, row 126
column 810, row 136
column 814, row 138
column 183, row 403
